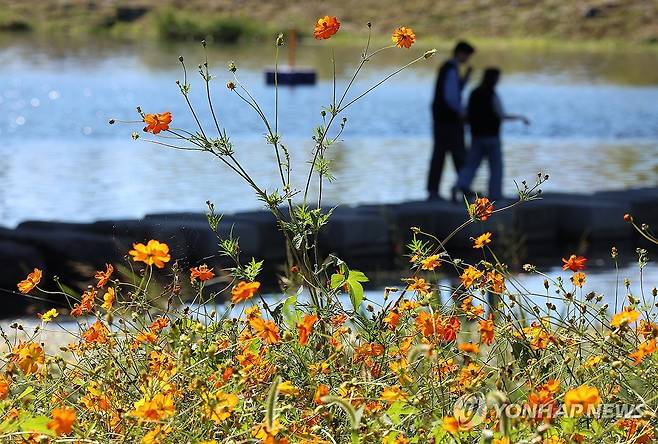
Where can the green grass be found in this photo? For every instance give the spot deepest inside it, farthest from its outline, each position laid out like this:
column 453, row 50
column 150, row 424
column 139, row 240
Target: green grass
column 539, row 23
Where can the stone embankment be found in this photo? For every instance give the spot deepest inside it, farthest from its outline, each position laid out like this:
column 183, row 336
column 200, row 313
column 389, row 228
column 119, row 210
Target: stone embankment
column 369, row 237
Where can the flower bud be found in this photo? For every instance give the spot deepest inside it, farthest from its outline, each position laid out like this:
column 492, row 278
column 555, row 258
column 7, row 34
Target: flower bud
column 429, row 53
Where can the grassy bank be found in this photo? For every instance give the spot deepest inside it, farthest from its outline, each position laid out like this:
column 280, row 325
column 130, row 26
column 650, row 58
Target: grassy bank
column 545, row 22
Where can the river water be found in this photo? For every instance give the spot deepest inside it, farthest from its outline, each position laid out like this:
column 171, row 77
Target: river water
column 594, row 126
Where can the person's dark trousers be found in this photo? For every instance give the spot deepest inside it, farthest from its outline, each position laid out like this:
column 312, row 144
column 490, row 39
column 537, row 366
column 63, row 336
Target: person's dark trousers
column 448, row 137
column 481, row 147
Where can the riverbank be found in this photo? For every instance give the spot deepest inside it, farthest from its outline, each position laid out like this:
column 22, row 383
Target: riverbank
column 597, row 23
column 371, row 238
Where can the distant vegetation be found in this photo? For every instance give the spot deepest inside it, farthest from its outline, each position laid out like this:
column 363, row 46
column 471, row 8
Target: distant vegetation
column 231, row 22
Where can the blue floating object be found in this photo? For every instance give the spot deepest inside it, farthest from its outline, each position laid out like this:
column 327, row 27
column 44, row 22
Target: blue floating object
column 291, row 76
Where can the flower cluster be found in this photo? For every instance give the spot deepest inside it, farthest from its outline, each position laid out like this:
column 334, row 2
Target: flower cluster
column 166, row 353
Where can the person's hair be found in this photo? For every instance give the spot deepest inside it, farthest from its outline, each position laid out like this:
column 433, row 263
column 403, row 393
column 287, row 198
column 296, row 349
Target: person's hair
column 490, row 77
column 463, row 47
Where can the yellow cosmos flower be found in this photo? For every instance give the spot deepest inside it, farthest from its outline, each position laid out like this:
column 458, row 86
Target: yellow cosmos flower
column 219, row 406
column 625, row 317
column 419, row 285
column 108, row 299
column 470, row 276
column 581, row 400
column 393, row 394
column 578, row 278
column 482, row 240
column 287, row 388
column 49, row 315
column 430, row 263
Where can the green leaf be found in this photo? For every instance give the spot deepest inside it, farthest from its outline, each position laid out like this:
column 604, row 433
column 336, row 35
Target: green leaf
column 354, row 279
column 398, row 409
column 26, row 392
column 357, row 276
column 38, row 424
column 337, row 280
column 290, row 315
column 568, row 425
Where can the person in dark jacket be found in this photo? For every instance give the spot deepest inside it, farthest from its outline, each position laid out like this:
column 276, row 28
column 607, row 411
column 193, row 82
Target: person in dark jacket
column 448, row 115
column 485, row 115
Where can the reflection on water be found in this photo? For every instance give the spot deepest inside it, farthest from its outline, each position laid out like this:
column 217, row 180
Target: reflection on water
column 593, row 127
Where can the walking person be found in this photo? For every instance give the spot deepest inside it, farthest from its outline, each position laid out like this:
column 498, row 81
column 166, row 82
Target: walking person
column 485, row 115
column 448, row 115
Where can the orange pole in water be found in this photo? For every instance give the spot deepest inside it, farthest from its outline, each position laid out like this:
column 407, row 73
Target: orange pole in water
column 292, row 47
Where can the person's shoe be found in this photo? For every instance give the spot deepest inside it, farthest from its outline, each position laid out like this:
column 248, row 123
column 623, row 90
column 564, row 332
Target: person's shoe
column 434, row 197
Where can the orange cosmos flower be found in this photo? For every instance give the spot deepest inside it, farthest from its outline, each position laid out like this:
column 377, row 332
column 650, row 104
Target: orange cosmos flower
column 391, row 319
column 5, row 381
column 159, row 324
column 574, row 263
column 62, row 422
column 403, row 37
column 469, row 348
column 496, row 282
column 338, row 320
column 452, row 424
column 430, row 263
column 369, row 349
column 306, row 327
column 97, row 333
column 157, row 122
column 243, row 291
column 86, row 305
column 155, row 408
column 449, row 327
column 637, row 431
column 202, row 273
column 643, row 350
column 482, row 240
column 325, row 27
column 320, row 392
column 487, row 331
column 267, row 330
column 28, row 356
column 29, row 283
column 419, row 285
column 104, row 276
column 472, row 311
column 581, row 400
column 625, row 317
column 153, row 253
column 481, row 209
